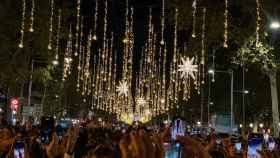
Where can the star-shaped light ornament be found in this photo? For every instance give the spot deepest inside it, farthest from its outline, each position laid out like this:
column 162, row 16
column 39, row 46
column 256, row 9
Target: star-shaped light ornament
column 141, row 101
column 188, row 68
column 122, row 89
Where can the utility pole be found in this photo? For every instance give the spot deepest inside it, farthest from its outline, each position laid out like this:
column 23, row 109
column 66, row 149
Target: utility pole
column 30, row 84
column 231, row 101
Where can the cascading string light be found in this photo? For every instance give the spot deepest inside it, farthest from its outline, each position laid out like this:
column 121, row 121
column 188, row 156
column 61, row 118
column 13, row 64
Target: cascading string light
column 80, row 56
column 31, row 29
column 162, row 22
column 226, row 21
column 58, row 35
column 22, row 24
column 67, row 56
column 51, row 26
column 194, row 5
column 77, row 27
column 258, row 21
column 202, row 61
column 94, row 36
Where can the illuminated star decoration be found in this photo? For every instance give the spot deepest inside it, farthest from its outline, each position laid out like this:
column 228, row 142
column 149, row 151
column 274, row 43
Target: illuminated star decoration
column 122, row 89
column 188, row 68
column 141, row 101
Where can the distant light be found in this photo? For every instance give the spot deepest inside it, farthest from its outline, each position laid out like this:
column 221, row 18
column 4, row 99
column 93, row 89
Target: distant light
column 55, row 62
column 99, row 119
column 279, row 123
column 251, row 125
column 165, row 122
column 240, row 125
column 125, row 40
column 198, row 123
column 162, row 101
column 94, row 37
column 211, row 71
column 31, row 29
column 275, row 25
column 261, row 125
column 14, row 112
column 49, row 47
column 211, row 103
column 1, row 110
column 20, row 45
column 245, row 91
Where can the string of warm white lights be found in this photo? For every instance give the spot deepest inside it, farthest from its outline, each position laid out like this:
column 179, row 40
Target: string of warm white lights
column 258, row 21
column 51, row 25
column 22, row 24
column 31, row 29
column 94, row 37
column 58, row 35
column 202, row 61
column 194, row 5
column 77, row 27
column 80, row 57
column 226, row 24
column 68, row 56
column 162, row 22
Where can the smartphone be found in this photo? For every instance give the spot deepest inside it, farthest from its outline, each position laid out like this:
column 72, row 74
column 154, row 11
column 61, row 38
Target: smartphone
column 47, row 126
column 19, row 149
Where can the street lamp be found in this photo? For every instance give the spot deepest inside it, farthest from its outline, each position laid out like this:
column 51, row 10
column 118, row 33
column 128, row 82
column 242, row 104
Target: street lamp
column 261, row 125
column 212, row 72
column 275, row 25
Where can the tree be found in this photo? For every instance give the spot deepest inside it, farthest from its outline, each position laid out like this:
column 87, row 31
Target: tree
column 263, row 55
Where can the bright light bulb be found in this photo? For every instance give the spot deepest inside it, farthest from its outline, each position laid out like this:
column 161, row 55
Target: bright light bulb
column 31, row 30
column 20, row 45
column 94, row 37
column 275, row 25
column 251, row 125
column 49, row 47
column 55, row 62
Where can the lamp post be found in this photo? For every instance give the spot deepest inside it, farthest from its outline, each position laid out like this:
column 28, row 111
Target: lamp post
column 274, row 26
column 230, row 72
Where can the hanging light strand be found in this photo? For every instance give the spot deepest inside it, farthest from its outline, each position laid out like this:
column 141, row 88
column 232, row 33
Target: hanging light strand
column 226, row 21
column 194, row 5
column 51, row 26
column 258, row 21
column 162, row 22
column 202, row 62
column 22, row 24
column 58, row 35
column 77, row 27
column 31, row 29
column 94, row 37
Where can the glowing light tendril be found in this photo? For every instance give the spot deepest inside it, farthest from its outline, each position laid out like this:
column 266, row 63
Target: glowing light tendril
column 22, row 24
column 51, row 26
column 226, row 24
column 31, row 29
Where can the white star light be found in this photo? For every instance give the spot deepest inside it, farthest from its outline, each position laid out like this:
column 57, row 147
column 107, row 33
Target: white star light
column 141, row 101
column 122, row 89
column 188, row 68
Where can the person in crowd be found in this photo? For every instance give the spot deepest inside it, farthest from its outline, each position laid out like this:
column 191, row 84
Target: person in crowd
column 104, row 141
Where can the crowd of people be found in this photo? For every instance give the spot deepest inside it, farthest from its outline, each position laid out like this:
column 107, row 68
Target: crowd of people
column 105, row 140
